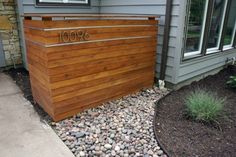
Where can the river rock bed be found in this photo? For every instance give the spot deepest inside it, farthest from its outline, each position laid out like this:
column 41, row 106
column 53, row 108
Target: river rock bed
column 121, row 127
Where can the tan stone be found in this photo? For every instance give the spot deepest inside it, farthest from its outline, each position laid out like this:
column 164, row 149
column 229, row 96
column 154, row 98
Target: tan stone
column 12, row 19
column 5, row 42
column 8, row 1
column 15, row 32
column 8, row 12
column 9, row 32
column 7, row 54
column 9, row 8
column 1, row 6
column 5, row 23
column 7, row 47
column 5, row 36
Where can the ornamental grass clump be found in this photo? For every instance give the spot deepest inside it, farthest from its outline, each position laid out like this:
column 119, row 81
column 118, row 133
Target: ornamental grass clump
column 204, row 106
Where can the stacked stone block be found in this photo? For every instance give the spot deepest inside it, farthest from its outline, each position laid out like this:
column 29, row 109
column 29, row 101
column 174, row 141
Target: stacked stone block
column 9, row 34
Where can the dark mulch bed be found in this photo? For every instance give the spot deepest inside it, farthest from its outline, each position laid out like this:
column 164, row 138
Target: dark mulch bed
column 184, row 138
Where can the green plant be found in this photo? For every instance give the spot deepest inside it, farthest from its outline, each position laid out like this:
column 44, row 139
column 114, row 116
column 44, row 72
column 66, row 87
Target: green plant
column 204, row 106
column 232, row 81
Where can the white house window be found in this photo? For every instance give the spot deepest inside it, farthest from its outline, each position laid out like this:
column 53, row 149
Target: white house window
column 211, row 27
column 62, row 2
column 230, row 26
column 217, row 19
column 195, row 27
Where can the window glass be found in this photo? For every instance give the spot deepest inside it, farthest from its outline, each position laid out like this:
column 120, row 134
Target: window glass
column 230, row 27
column 51, row 1
column 216, row 24
column 78, row 1
column 195, row 25
column 64, row 1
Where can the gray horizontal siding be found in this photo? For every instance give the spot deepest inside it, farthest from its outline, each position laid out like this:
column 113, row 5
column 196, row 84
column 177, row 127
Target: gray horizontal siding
column 156, row 7
column 133, row 2
column 147, row 9
column 203, row 65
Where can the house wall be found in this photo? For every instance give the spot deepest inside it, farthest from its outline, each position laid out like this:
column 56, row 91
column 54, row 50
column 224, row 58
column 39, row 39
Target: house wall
column 9, row 36
column 29, row 6
column 177, row 71
column 202, row 66
column 152, row 7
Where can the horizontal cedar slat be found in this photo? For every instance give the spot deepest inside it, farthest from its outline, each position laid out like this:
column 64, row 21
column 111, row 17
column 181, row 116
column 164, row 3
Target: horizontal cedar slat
column 70, row 97
column 112, row 82
column 91, row 58
column 44, row 80
column 82, row 49
column 79, row 23
column 98, row 95
column 46, row 92
column 42, row 65
column 37, row 50
column 130, row 90
column 35, row 59
column 101, row 65
column 103, row 36
column 92, row 80
column 68, row 79
column 103, row 30
column 94, row 45
column 97, row 51
column 41, row 99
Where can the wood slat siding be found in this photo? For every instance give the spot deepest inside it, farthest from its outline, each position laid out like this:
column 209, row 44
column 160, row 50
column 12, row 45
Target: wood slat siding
column 122, row 6
column 68, row 78
column 29, row 6
column 151, row 7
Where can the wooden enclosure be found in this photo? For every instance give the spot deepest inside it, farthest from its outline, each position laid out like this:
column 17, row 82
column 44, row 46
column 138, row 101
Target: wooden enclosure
column 75, row 64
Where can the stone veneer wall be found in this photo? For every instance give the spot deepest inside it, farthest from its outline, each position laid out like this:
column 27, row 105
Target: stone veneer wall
column 9, row 32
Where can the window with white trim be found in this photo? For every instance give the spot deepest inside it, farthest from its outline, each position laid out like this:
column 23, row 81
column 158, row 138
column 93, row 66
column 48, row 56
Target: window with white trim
column 230, row 26
column 195, row 28
column 216, row 25
column 211, row 27
column 62, row 2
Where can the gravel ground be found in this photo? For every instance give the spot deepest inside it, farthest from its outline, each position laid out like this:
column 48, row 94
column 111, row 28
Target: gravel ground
column 118, row 128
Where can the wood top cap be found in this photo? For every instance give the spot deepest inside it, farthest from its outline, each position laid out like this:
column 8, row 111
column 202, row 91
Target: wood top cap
column 92, row 15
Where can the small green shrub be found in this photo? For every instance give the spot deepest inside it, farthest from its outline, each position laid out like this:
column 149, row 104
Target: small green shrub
column 204, row 106
column 232, row 81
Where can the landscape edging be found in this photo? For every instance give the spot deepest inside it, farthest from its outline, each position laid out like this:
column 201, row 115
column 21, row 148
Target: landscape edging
column 157, row 103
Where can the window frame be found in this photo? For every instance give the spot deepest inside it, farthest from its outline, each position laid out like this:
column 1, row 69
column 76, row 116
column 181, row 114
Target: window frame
column 217, row 48
column 229, row 46
column 87, row 3
column 196, row 53
column 204, row 51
